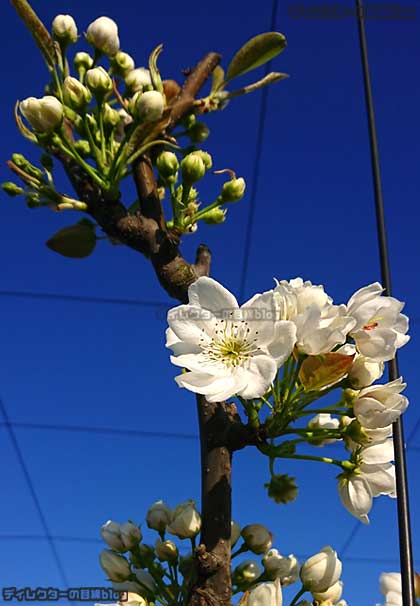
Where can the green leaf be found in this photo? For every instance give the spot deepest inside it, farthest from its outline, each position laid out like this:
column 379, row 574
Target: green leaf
column 218, row 76
column 320, row 371
column 256, row 52
column 77, row 241
column 154, row 70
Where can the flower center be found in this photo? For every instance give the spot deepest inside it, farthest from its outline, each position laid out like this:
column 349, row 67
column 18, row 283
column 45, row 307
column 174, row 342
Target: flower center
column 370, row 326
column 232, row 345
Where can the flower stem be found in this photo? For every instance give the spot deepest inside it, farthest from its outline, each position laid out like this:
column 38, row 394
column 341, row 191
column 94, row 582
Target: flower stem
column 297, row 596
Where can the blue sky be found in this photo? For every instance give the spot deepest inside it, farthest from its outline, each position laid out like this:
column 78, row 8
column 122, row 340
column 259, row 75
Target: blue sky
column 75, row 364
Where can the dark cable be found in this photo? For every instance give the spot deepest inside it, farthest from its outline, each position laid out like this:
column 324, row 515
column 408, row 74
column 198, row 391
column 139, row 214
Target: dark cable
column 406, row 555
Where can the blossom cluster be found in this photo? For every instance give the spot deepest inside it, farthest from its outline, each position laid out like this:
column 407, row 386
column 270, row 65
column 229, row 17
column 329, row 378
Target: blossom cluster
column 141, row 576
column 318, row 346
column 390, row 586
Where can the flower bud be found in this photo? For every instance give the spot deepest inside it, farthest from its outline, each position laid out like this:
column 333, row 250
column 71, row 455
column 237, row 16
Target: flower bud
column 111, row 116
column 146, row 580
column 331, row 595
column 11, row 189
column 233, row 190
column 192, row 168
column 186, row 521
column 215, row 216
column 111, row 534
column 282, row 488
column 122, row 64
column 206, row 158
column 82, row 147
column 103, row 35
column 29, row 168
column 167, row 165
column 235, row 533
column 323, row 421
column 76, row 95
column 166, row 551
column 321, row 571
column 198, row 132
column 356, row 433
column 44, row 115
column 280, row 567
column 257, row 538
column 137, row 79
column 116, row 566
column 64, row 29
column 130, row 535
column 98, row 81
column 265, row 594
column 159, row 516
column 246, row 572
column 82, row 62
column 149, row 106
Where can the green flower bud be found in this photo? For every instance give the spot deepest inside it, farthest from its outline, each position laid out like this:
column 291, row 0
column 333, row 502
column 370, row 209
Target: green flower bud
column 82, row 147
column 167, row 165
column 198, row 132
column 246, row 572
column 122, row 64
column 149, row 106
column 82, row 62
column 98, row 81
column 357, row 433
column 349, row 396
column 44, row 115
column 137, row 79
column 11, row 189
column 115, row 566
column 215, row 216
column 166, row 551
column 233, row 190
column 111, row 116
column 257, row 538
column 192, row 168
column 76, row 95
column 282, row 488
column 29, row 168
column 64, row 29
column 206, row 158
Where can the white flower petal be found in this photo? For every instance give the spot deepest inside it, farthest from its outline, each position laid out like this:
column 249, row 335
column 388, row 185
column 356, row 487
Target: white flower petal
column 356, row 496
column 191, row 324
column 215, row 389
column 209, row 294
column 381, row 479
column 257, row 376
column 284, row 340
column 377, row 454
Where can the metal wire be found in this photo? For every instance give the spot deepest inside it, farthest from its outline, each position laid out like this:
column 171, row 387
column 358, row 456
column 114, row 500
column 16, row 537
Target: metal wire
column 406, row 555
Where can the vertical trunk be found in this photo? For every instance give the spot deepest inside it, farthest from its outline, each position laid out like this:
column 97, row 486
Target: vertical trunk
column 213, row 582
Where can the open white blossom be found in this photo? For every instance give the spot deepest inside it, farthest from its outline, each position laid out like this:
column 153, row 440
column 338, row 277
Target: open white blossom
column 380, row 328
column 320, row 325
column 390, row 585
column 374, row 476
column 228, row 349
column 323, row 420
column 380, row 405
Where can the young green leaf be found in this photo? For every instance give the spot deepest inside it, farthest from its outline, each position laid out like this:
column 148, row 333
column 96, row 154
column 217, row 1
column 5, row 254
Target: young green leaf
column 268, row 79
column 256, row 52
column 326, row 369
column 218, row 76
column 77, row 241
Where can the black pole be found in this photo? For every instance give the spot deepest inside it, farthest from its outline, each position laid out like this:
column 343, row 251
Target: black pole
column 406, row 554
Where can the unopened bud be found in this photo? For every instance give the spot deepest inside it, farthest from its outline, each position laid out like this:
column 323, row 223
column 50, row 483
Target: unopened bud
column 130, row 534
column 149, row 106
column 98, row 81
column 111, row 116
column 206, row 158
column 215, row 216
column 137, row 79
column 198, row 132
column 82, row 147
column 166, row 551
column 233, row 190
column 29, row 168
column 192, row 168
column 257, row 538
column 64, row 29
column 246, row 572
column 186, row 521
column 44, row 115
column 103, row 35
column 82, row 62
column 167, row 165
column 122, row 63
column 115, row 566
column 349, row 396
column 282, row 488
column 76, row 95
column 235, row 533
column 331, row 595
column 159, row 516
column 354, row 431
column 11, row 189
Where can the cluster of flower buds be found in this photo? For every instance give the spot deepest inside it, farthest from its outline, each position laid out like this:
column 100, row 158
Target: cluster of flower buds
column 291, row 346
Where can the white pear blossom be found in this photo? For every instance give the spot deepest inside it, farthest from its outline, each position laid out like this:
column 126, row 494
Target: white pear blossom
column 111, row 534
column 137, row 79
column 380, row 329
column 116, row 566
column 64, row 28
column 331, row 595
column 150, row 106
column 320, row 325
column 363, row 371
column 378, row 406
column 265, row 594
column 44, row 114
column 228, row 349
column 374, row 476
column 186, row 521
column 103, row 35
column 321, row 571
column 281, row 567
column 390, row 585
column 323, row 420
column 159, row 516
